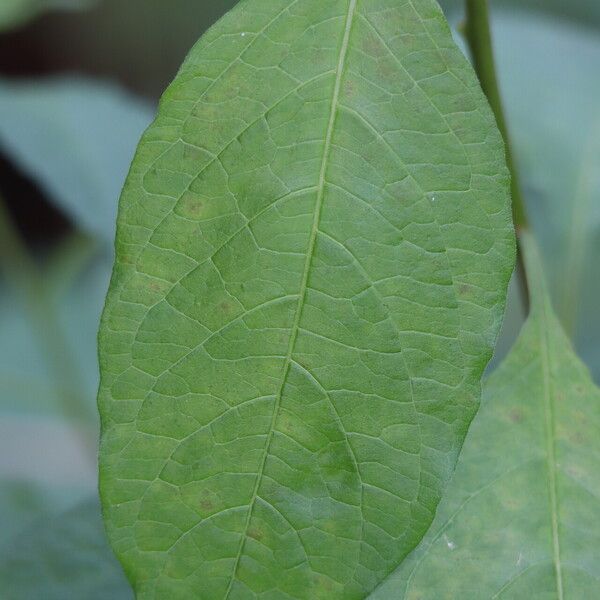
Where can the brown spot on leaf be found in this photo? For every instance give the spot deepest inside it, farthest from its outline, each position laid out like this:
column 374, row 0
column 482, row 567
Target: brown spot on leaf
column 371, row 46
column 515, row 415
column 576, row 438
column 193, row 207
column 349, row 88
column 386, row 69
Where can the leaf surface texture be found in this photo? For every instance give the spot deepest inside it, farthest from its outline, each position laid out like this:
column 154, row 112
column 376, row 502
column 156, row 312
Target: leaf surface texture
column 313, row 249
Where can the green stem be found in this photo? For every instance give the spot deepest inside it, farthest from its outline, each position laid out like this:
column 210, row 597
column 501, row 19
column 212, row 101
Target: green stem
column 21, row 271
column 479, row 39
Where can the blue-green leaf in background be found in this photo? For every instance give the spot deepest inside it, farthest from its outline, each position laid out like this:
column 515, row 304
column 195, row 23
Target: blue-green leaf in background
column 313, row 251
column 43, row 462
column 75, row 138
column 63, row 557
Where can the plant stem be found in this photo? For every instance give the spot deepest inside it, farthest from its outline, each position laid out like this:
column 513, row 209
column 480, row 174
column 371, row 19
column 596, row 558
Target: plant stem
column 21, row 271
column 479, row 39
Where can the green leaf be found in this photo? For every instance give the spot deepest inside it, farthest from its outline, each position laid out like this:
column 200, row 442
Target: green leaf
column 521, row 515
column 313, row 250
column 76, row 139
column 63, row 557
column 17, row 12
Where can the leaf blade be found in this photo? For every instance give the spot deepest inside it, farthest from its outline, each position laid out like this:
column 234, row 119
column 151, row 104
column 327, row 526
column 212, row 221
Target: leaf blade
column 289, row 273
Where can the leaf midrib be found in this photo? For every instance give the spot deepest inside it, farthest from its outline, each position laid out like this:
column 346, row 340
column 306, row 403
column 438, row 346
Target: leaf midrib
column 542, row 306
column 304, row 283
column 550, row 432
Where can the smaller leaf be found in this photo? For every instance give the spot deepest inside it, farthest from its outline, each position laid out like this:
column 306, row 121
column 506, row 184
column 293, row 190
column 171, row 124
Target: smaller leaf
column 522, row 514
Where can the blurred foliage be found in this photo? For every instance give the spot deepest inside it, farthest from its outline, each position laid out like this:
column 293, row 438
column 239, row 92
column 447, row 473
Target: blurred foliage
column 583, row 11
column 71, row 557
column 44, row 466
column 96, row 128
column 17, row 12
column 75, row 138
column 549, row 76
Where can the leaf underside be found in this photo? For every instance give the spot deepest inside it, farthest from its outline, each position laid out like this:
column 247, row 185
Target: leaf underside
column 520, row 518
column 313, row 250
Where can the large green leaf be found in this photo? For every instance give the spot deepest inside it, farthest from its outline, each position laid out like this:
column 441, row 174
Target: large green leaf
column 313, row 250
column 520, row 518
column 75, row 138
column 17, row 12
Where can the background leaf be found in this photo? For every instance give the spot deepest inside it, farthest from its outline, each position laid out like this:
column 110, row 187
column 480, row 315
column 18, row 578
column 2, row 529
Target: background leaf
column 43, row 465
column 521, row 515
column 76, row 138
column 557, row 146
column 64, row 557
column 313, row 251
